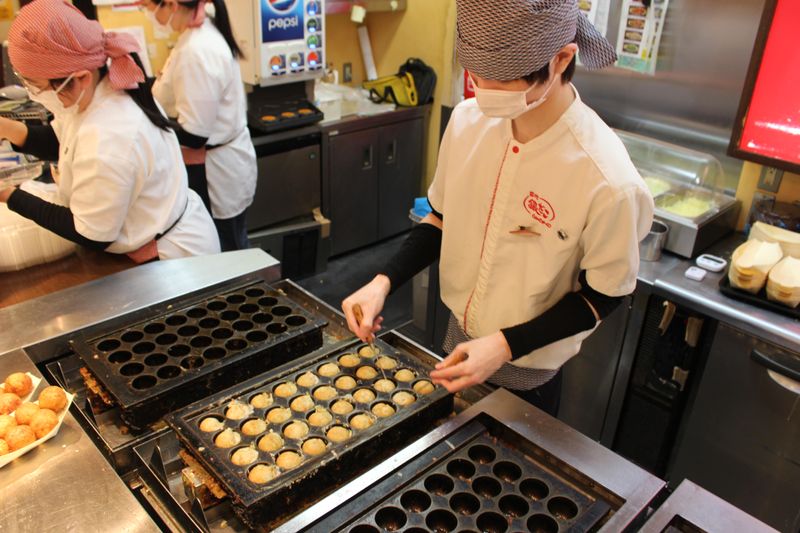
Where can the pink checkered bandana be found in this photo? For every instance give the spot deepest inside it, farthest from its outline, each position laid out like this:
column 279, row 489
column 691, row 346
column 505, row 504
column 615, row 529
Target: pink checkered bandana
column 508, row 39
column 51, row 39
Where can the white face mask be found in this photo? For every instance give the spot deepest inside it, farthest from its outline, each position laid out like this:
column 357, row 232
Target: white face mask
column 160, row 31
column 50, row 100
column 509, row 104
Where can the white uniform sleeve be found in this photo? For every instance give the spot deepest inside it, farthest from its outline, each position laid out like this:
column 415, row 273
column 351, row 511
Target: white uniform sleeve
column 614, row 228
column 103, row 185
column 437, row 188
column 198, row 84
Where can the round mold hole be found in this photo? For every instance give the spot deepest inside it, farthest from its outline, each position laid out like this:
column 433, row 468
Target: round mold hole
column 222, row 333
column 242, row 325
column 257, row 336
column 465, row 503
column 132, row 336
column 248, row 309
column 461, row 468
column 562, row 508
column 513, row 506
column 121, row 356
column 482, row 454
column 196, row 312
column 281, row 310
column 166, row 338
column 236, row 299
column 254, row 292
column 216, row 305
column 267, row 301
column 507, row 471
column 131, row 369
column 391, row 518
column 143, row 348
column 108, row 345
column 295, row 320
column 201, row 342
column 439, row 484
column 441, row 521
column 144, row 382
column 168, row 372
column 154, row 328
column 276, row 328
column 188, row 331
column 541, row 523
column 176, row 320
column 191, row 362
column 415, row 501
column 262, row 318
column 178, row 350
column 208, row 323
column 229, row 315
column 365, row 528
column 535, row 489
column 156, row 359
column 486, row 486
column 236, row 344
column 492, row 523
column 214, row 353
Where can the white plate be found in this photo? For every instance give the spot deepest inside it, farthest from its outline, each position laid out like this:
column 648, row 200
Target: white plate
column 34, row 380
column 7, row 458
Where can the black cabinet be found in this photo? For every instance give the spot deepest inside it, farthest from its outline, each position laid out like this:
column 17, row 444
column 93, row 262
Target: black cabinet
column 373, row 173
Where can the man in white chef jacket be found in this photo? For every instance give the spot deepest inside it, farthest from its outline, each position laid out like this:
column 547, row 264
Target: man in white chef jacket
column 537, row 208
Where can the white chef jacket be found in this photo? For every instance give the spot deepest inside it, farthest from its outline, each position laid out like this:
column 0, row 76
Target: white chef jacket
column 202, row 86
column 522, row 220
column 124, row 180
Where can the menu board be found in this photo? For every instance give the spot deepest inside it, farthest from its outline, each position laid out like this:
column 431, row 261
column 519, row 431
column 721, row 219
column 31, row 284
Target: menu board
column 767, row 128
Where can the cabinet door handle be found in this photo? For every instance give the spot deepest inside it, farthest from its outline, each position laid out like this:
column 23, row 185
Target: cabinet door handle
column 391, row 155
column 367, row 162
column 781, row 363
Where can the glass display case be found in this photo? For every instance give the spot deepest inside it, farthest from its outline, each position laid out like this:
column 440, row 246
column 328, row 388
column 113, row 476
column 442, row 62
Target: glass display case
column 687, row 188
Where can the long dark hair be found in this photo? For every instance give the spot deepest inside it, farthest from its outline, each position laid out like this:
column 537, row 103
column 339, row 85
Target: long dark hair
column 221, row 20
column 142, row 95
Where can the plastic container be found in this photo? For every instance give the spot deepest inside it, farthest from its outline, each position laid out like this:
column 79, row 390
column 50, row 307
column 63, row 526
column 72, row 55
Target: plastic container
column 687, row 188
column 23, row 243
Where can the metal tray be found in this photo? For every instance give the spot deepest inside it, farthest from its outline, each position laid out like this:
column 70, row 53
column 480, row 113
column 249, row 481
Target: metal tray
column 293, row 488
column 477, row 480
column 168, row 360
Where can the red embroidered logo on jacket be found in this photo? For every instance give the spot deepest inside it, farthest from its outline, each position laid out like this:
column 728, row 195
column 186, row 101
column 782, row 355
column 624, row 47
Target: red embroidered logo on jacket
column 540, row 209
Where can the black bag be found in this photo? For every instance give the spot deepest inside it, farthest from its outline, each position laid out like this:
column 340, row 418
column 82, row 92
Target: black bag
column 424, row 78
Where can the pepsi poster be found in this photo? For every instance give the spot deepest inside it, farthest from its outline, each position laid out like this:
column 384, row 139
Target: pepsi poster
column 281, row 20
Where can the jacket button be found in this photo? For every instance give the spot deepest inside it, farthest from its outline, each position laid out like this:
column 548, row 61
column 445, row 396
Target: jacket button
column 515, row 149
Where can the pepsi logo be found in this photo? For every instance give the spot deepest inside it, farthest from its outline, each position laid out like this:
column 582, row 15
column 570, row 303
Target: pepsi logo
column 282, row 6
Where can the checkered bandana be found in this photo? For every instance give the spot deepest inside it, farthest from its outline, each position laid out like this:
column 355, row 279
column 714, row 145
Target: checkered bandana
column 508, row 39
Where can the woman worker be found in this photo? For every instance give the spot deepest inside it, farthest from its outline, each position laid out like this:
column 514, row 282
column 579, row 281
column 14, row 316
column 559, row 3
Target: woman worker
column 537, row 208
column 201, row 86
column 121, row 185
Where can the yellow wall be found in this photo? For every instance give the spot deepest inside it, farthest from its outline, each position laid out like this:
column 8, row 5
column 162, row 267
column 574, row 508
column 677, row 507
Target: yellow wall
column 5, row 23
column 789, row 190
column 110, row 19
column 425, row 30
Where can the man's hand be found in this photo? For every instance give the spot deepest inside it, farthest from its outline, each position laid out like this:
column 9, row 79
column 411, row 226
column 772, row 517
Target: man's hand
column 5, row 193
column 370, row 298
column 472, row 362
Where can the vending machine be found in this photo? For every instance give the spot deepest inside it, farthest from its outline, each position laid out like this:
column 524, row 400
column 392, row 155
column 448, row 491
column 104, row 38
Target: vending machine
column 284, row 51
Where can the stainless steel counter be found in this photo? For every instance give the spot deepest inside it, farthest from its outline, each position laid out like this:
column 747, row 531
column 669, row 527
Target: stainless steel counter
column 66, row 484
column 706, row 298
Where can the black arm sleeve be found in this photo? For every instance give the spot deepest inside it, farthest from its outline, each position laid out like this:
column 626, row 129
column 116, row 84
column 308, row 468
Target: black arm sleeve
column 41, row 142
column 190, row 140
column 419, row 250
column 570, row 316
column 55, row 218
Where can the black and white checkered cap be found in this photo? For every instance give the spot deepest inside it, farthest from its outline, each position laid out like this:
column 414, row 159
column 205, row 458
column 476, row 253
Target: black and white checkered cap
column 508, row 39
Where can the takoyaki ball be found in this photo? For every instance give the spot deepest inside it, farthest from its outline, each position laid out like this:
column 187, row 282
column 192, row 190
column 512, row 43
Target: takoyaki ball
column 284, row 390
column 382, row 410
column 345, row 383
column 4, row 449
column 25, row 412
column 271, row 442
column 301, row 404
column 237, row 410
column 363, row 396
column 279, row 415
column 338, row 434
column 325, row 393
column 314, row 446
column 6, row 422
column 423, row 386
column 43, row 422
column 328, row 370
column 403, row 398
column 288, row 460
column 404, row 375
column 255, row 426
column 368, row 351
column 263, row 474
column 261, row 400
column 53, row 398
column 366, row 373
column 19, row 383
column 320, row 417
column 349, row 360
column 296, row 430
column 244, row 456
column 307, row 380
column 385, row 362
column 228, row 439
column 19, row 436
column 361, row 421
column 211, row 424
column 384, row 385
column 9, row 403
column 342, row 407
